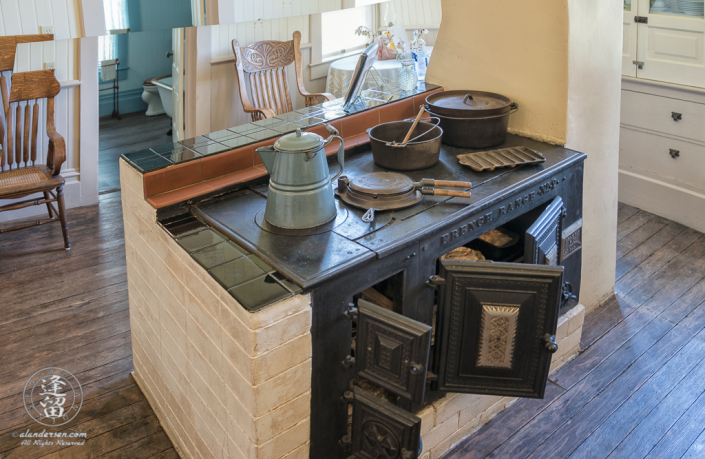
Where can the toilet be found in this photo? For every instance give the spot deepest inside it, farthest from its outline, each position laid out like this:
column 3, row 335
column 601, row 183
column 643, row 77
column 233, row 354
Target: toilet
column 151, row 97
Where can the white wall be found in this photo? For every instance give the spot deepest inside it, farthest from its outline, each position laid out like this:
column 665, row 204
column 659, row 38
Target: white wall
column 233, row 11
column 25, row 17
column 594, row 82
column 76, row 117
column 70, row 18
column 417, row 13
column 219, row 105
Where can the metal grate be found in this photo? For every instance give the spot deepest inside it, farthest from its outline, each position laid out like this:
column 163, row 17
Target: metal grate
column 504, row 157
column 26, row 176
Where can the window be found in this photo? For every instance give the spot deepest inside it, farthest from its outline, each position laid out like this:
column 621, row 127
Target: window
column 338, row 30
column 116, row 18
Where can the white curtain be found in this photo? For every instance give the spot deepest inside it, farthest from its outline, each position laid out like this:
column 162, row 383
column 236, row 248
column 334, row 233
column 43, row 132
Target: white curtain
column 115, row 19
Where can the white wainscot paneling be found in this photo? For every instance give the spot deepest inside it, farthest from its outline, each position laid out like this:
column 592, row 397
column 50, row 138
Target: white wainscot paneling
column 26, row 17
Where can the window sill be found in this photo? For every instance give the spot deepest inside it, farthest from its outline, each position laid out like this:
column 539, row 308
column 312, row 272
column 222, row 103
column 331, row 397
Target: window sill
column 320, row 69
column 329, row 59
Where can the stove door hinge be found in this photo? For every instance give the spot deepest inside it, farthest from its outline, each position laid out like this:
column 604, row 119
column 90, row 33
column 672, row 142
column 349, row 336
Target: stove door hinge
column 345, row 444
column 435, row 281
column 351, row 312
column 567, row 293
column 349, row 361
column 641, row 19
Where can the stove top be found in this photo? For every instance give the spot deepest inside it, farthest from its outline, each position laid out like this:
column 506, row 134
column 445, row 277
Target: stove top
column 310, row 257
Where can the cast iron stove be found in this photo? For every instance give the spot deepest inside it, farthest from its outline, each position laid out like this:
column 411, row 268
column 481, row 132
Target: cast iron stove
column 336, row 262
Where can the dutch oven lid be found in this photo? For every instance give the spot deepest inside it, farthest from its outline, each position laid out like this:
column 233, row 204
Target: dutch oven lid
column 299, row 142
column 468, row 104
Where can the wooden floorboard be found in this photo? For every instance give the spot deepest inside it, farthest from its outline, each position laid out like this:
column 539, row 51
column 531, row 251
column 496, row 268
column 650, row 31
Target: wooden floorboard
column 69, row 309
column 648, row 248
column 134, row 132
column 637, row 389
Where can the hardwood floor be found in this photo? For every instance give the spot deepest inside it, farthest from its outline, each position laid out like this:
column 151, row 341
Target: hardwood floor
column 136, row 131
column 69, row 309
column 638, row 387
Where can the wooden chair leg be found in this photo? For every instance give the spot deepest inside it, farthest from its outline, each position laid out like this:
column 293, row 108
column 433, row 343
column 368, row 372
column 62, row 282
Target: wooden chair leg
column 47, row 197
column 62, row 216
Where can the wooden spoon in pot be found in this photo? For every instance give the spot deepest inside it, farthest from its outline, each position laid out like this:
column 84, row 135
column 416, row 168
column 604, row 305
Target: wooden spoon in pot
column 413, row 126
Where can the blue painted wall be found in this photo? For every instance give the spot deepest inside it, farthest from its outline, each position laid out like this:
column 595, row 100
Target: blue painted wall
column 144, row 49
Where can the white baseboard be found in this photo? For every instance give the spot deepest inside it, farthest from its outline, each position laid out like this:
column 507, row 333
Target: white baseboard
column 72, row 198
column 667, row 200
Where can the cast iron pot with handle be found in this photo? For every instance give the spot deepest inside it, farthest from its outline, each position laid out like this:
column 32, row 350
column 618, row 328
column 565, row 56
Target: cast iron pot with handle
column 420, row 152
column 471, row 119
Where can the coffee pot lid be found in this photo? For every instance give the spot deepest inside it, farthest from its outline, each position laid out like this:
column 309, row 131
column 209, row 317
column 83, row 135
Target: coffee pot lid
column 299, row 142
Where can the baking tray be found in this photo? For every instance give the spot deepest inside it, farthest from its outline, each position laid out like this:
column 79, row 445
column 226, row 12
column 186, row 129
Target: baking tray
column 503, row 157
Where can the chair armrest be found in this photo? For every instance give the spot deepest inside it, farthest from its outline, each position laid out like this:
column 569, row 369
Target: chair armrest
column 56, row 154
column 265, row 111
column 327, row 95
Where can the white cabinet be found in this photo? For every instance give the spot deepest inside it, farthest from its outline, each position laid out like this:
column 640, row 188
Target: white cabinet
column 662, row 150
column 666, row 39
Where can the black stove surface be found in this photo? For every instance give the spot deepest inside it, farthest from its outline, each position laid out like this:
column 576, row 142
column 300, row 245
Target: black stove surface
column 311, row 257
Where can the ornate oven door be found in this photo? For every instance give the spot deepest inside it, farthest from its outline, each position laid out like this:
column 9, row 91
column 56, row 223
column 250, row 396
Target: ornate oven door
column 542, row 242
column 381, row 430
column 496, row 327
column 392, row 351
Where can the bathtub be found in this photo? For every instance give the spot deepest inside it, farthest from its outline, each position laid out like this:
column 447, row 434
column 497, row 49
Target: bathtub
column 166, row 92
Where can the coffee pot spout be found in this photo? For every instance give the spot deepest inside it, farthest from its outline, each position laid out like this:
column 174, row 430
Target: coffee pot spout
column 267, row 155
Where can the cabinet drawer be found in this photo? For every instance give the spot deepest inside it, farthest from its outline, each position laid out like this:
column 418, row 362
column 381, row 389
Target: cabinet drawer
column 651, row 153
column 655, row 113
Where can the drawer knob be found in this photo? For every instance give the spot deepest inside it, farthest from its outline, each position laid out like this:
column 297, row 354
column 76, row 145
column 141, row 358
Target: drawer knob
column 674, row 153
column 676, row 116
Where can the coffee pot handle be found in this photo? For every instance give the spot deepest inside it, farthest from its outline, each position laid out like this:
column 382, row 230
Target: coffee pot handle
column 341, row 149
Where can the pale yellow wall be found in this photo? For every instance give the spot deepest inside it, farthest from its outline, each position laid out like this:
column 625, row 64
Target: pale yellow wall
column 513, row 47
column 561, row 61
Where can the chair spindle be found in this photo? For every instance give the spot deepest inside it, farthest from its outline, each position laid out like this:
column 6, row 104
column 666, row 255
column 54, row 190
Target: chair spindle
column 18, row 134
column 8, row 151
column 27, row 127
column 35, row 126
column 285, row 87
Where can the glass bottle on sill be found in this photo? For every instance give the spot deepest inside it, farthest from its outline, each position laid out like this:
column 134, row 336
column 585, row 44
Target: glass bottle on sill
column 418, row 50
column 408, row 78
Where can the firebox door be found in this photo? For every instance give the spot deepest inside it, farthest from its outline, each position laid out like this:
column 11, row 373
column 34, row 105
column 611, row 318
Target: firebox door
column 495, row 328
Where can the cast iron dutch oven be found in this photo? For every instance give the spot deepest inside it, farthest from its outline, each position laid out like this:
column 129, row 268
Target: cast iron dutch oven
column 471, row 119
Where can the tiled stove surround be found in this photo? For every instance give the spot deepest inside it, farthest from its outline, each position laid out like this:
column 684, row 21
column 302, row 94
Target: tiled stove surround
column 229, row 383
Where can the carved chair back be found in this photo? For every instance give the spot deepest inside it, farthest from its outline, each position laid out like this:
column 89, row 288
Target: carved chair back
column 263, row 65
column 8, row 50
column 21, row 144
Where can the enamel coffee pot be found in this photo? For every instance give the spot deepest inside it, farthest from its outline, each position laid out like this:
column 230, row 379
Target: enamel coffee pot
column 300, row 192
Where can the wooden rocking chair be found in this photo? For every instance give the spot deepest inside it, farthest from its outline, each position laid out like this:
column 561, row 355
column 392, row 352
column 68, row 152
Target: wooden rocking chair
column 17, row 181
column 265, row 64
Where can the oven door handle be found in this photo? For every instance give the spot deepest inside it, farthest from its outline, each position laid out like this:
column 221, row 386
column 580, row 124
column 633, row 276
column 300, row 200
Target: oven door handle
column 550, row 340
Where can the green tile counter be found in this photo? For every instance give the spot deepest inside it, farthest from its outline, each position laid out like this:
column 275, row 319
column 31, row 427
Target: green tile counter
column 253, row 283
